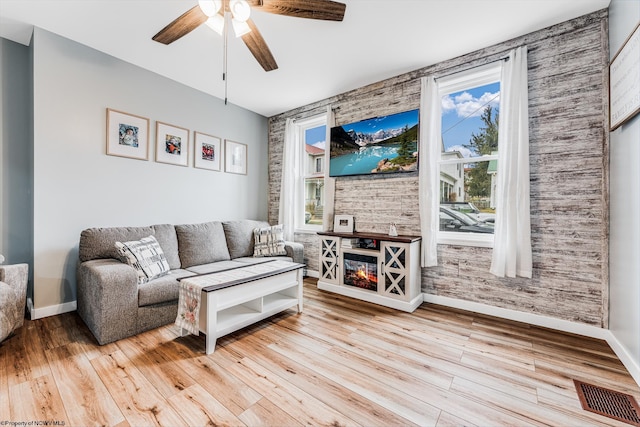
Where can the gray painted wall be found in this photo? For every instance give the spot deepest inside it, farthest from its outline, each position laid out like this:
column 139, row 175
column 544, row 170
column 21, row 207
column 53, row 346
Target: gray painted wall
column 76, row 185
column 16, row 159
column 624, row 314
column 569, row 177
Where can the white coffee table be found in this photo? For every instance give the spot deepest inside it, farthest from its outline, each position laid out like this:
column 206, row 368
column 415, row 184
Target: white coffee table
column 254, row 293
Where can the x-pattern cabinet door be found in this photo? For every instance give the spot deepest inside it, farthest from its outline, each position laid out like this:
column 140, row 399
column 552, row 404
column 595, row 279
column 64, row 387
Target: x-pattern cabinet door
column 396, row 269
column 329, row 256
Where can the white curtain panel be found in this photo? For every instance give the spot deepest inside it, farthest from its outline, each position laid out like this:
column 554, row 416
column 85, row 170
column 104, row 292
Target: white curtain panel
column 289, row 184
column 329, row 183
column 428, row 182
column 512, row 240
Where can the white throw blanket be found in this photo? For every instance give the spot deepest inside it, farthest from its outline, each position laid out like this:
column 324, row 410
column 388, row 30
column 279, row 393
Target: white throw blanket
column 189, row 306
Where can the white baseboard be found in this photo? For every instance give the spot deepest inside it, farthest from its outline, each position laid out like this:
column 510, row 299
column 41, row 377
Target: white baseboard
column 627, row 360
column 51, row 310
column 546, row 322
column 312, row 273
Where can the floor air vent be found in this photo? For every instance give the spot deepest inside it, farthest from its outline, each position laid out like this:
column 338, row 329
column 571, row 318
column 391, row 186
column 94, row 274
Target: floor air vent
column 610, row 403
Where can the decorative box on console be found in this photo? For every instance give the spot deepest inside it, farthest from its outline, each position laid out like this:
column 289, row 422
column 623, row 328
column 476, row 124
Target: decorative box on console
column 372, row 267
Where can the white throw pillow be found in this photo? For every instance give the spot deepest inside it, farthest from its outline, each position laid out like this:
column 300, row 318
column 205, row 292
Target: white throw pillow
column 146, row 256
column 269, row 241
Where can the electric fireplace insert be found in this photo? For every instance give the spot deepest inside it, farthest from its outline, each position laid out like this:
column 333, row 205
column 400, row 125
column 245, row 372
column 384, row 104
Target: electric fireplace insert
column 361, row 271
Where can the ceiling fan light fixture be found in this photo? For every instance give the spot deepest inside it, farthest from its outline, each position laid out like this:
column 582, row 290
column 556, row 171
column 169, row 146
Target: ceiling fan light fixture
column 240, row 28
column 240, row 10
column 216, row 23
column 209, row 7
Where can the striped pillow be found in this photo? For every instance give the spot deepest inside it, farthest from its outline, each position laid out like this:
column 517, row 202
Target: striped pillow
column 146, row 256
column 268, row 241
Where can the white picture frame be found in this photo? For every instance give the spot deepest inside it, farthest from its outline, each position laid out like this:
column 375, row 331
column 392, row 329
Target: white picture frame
column 207, row 151
column 172, row 144
column 343, row 223
column 624, row 82
column 235, row 154
column 127, row 135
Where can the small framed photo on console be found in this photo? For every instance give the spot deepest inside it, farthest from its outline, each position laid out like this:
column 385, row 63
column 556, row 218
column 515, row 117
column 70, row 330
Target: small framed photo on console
column 343, row 223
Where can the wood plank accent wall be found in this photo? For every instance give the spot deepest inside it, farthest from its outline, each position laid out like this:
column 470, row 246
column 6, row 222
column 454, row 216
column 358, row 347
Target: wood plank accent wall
column 568, row 109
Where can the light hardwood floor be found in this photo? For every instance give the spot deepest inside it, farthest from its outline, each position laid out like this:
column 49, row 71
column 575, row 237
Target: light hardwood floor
column 340, row 362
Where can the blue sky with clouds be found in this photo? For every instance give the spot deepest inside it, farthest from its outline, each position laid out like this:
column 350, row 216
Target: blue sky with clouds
column 316, row 136
column 461, row 113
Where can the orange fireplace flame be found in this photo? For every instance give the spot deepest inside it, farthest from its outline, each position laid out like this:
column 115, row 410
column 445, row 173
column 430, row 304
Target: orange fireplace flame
column 361, row 273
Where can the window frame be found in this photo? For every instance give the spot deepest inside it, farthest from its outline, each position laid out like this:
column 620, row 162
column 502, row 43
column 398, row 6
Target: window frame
column 468, row 79
column 300, row 128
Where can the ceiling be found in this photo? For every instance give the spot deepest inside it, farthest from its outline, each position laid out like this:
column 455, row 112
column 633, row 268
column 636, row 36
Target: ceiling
column 378, row 39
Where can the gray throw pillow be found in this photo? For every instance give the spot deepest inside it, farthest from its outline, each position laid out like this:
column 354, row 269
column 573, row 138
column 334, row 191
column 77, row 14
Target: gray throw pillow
column 201, row 243
column 240, row 238
column 165, row 234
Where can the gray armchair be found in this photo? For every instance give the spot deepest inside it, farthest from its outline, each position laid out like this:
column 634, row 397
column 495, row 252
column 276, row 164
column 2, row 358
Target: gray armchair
column 13, row 297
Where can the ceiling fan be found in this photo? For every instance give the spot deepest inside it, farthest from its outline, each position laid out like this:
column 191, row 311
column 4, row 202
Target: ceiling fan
column 215, row 12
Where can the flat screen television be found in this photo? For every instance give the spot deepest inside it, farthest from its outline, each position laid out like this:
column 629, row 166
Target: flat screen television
column 380, row 145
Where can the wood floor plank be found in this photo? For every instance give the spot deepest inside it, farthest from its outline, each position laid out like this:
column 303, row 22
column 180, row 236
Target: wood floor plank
column 571, row 406
column 265, row 413
column 199, row 408
column 299, row 404
column 136, row 397
column 37, row 399
column 415, row 411
column 341, row 362
column 157, row 366
column 331, row 393
column 5, row 405
column 583, row 372
column 448, row 420
column 526, row 411
column 86, row 400
column 234, row 394
column 24, row 356
column 512, row 376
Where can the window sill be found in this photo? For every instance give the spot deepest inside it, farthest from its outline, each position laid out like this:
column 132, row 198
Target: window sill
column 466, row 239
column 307, row 230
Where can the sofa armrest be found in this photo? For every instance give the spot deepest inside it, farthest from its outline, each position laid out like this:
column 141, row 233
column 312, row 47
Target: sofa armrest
column 108, row 298
column 295, row 251
column 16, row 277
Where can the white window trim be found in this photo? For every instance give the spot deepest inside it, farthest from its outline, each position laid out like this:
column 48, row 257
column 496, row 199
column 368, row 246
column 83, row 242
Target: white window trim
column 478, row 76
column 301, row 127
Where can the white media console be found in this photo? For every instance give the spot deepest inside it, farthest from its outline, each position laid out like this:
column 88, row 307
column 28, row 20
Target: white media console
column 372, row 267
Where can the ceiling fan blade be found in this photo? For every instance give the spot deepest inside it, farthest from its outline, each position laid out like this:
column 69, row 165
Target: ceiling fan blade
column 181, row 26
column 327, row 10
column 259, row 48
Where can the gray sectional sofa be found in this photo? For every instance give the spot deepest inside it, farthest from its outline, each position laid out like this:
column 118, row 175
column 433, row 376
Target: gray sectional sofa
column 115, row 306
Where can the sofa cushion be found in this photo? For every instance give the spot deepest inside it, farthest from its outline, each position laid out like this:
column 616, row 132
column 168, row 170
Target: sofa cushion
column 268, row 241
column 201, row 243
column 162, row 289
column 146, row 256
column 99, row 243
column 165, row 234
column 239, row 236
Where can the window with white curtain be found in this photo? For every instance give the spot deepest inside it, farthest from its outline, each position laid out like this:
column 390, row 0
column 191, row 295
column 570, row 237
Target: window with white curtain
column 310, row 201
column 470, row 103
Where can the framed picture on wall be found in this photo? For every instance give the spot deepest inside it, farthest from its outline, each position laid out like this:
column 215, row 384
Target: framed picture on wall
column 127, row 135
column 172, row 144
column 207, row 152
column 624, row 82
column 235, row 157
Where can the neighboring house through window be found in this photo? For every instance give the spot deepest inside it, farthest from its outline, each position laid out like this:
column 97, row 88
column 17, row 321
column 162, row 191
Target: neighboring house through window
column 468, row 155
column 312, row 133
